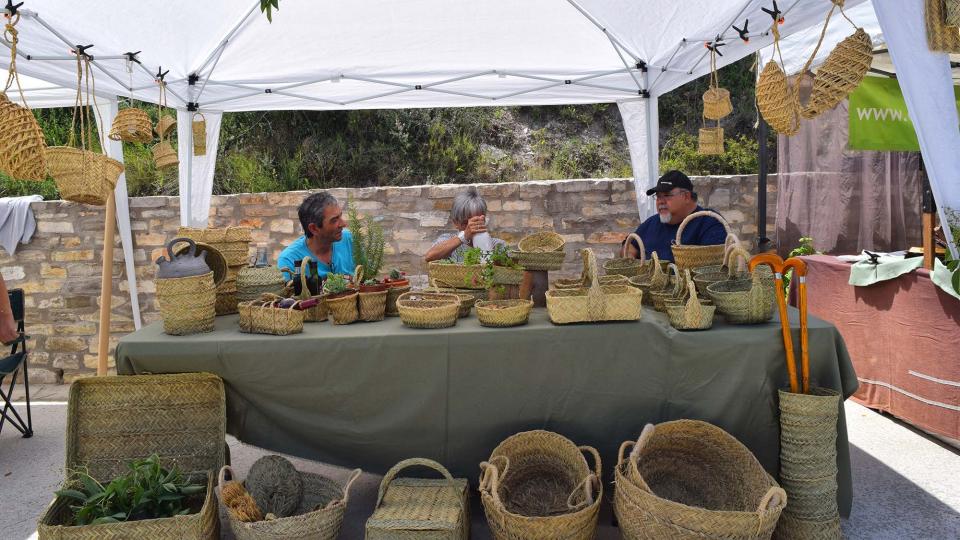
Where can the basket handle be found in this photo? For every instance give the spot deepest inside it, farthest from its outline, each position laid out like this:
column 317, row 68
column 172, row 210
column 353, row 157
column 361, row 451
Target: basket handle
column 693, row 309
column 744, row 257
column 200, row 114
column 591, row 484
column 354, row 474
column 773, row 498
column 638, row 446
column 413, row 462
column 304, row 266
column 702, row 213
column 357, row 274
column 595, row 298
column 678, row 281
column 731, row 240
column 221, row 476
column 643, row 250
column 490, row 477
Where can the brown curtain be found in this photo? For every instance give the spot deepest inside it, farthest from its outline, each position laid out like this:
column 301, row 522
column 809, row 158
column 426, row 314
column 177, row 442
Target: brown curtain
column 846, row 200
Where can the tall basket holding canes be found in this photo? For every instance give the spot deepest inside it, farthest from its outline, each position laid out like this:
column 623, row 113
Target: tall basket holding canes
column 808, row 427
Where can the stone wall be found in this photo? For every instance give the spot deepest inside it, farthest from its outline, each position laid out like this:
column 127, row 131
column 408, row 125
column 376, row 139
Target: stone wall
column 60, row 268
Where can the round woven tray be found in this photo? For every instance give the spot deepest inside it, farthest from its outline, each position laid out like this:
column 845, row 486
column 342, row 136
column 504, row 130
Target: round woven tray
column 428, row 310
column 504, row 313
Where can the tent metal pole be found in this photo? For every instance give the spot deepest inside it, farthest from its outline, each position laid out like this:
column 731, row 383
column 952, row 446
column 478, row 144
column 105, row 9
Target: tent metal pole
column 154, row 85
column 234, row 98
column 666, row 66
column 263, row 91
column 762, row 135
column 596, row 23
column 377, row 81
column 223, row 42
column 455, row 93
column 537, row 89
column 721, row 33
column 385, row 94
column 625, row 64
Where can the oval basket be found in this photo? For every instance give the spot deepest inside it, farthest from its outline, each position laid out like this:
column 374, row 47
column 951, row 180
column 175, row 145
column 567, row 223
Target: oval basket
column 504, row 313
column 428, row 310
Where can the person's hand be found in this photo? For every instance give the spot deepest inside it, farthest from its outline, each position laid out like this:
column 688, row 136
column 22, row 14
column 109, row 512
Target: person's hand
column 475, row 225
column 8, row 329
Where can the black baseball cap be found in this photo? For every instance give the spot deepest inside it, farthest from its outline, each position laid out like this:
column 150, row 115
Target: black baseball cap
column 671, row 180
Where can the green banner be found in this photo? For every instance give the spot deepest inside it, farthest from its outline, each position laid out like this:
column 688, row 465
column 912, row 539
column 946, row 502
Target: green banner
column 879, row 119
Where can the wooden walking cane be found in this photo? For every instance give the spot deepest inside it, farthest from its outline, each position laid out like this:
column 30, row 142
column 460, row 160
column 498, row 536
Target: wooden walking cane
column 777, row 264
column 800, row 274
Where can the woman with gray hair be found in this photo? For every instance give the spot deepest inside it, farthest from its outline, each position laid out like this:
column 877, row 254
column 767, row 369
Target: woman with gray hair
column 469, row 217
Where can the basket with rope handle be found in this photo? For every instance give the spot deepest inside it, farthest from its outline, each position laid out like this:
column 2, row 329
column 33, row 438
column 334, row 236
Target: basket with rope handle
column 133, row 123
column 164, row 156
column 623, row 265
column 731, row 242
column 716, row 100
column 656, row 279
column 199, row 134
column 692, row 314
column 710, row 140
column 675, row 292
column 409, row 508
column 22, row 144
column 744, row 301
column 82, row 175
column 596, row 302
column 693, row 256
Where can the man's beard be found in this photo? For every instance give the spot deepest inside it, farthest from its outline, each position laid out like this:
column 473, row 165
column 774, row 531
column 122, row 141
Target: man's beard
column 665, row 218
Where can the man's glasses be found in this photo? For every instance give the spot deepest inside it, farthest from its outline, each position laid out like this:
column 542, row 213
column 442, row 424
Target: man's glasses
column 669, row 195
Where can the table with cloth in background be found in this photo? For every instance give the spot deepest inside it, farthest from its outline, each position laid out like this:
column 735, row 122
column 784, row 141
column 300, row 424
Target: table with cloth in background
column 903, row 339
column 370, row 394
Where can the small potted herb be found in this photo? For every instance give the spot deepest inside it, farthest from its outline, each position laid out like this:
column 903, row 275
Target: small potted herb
column 396, row 278
column 337, row 286
column 341, row 299
column 373, row 285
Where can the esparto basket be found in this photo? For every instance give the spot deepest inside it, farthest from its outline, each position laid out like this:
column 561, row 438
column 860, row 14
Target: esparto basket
column 372, row 305
column 132, row 125
column 692, row 256
column 343, row 309
column 690, row 480
column 596, row 302
column 393, row 293
column 626, row 266
column 731, row 242
column 941, row 37
column 266, row 317
column 840, row 74
column 710, row 141
column 778, row 100
column 428, row 310
column 716, row 100
column 504, row 313
column 674, row 290
column 420, row 508
column 952, row 17
column 81, row 175
column 542, row 251
column 319, row 515
column 164, row 156
column 691, row 314
column 744, row 301
column 537, row 485
column 187, row 304
column 111, row 420
column 725, row 271
column 213, row 258
column 22, row 144
column 613, row 279
column 199, row 134
column 165, row 125
column 255, row 281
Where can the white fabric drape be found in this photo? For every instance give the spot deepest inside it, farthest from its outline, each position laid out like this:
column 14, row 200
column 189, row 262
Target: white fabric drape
column 927, row 85
column 642, row 126
column 196, row 172
column 108, row 111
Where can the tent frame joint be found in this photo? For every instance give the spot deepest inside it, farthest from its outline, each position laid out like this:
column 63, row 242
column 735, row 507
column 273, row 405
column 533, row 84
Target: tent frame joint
column 193, row 106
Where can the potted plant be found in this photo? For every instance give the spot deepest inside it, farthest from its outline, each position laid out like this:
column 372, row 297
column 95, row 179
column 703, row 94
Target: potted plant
column 341, row 299
column 368, row 243
column 396, row 278
column 337, row 286
column 372, row 286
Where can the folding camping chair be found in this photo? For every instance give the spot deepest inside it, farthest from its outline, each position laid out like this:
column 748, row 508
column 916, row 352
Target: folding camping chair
column 12, row 366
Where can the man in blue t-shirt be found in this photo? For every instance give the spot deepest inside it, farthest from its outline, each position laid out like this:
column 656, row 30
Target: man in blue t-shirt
column 324, row 239
column 675, row 201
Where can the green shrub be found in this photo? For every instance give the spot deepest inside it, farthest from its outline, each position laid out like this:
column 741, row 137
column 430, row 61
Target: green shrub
column 680, row 153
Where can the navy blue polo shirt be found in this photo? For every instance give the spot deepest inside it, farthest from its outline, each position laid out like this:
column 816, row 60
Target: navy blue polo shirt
column 701, row 231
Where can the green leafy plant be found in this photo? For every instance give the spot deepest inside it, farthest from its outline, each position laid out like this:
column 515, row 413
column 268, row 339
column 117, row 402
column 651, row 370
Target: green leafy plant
column 472, row 256
column 368, row 242
column 953, row 265
column 371, row 282
column 147, row 491
column 267, row 6
column 336, row 284
column 396, row 274
column 805, row 248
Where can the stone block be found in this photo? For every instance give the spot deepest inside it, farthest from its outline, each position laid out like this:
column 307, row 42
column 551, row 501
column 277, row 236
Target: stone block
column 55, row 227
column 282, row 226
column 65, row 344
column 151, row 239
column 516, row 206
column 40, row 375
column 13, row 273
column 149, row 202
column 606, row 237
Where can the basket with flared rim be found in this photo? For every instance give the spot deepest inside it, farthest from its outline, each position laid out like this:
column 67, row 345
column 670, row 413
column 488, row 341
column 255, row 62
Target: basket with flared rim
column 82, row 175
column 468, row 297
column 504, row 313
column 131, row 124
column 22, row 145
column 595, row 302
column 716, row 100
column 690, row 256
column 623, row 265
column 428, row 310
column 164, row 156
column 688, row 479
column 542, row 251
column 734, row 254
column 165, row 125
column 692, row 314
column 538, row 484
column 199, row 127
column 674, row 290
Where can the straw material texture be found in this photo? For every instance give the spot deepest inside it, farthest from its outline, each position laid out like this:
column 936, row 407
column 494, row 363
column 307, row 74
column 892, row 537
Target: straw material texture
column 213, row 258
column 187, row 304
column 469, row 276
column 723, row 272
column 373, row 305
column 393, row 293
column 111, row 420
column 613, row 279
column 941, row 37
column 253, row 282
column 468, row 297
column 673, row 290
column 22, row 144
column 538, row 485
column 542, row 251
column 808, row 463
column 275, row 485
column 504, row 313
column 690, row 256
column 232, row 242
column 264, row 317
column 199, row 126
column 343, row 309
column 83, row 176
column 688, row 479
column 428, row 310
column 952, row 17
column 418, row 508
column 710, row 141
column 716, row 100
column 627, row 266
column 164, row 156
column 691, row 315
column 777, row 100
column 165, row 125
column 840, row 74
column 745, row 301
column 596, row 302
column 132, row 125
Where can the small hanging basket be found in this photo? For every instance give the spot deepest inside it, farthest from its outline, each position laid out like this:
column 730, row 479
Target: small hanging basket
column 710, row 141
column 164, row 156
column 777, row 101
column 840, row 74
column 165, row 125
column 132, row 125
column 83, row 176
column 716, row 103
column 199, row 134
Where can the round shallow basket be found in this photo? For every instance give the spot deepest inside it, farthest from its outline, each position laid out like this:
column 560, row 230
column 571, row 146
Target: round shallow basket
column 840, row 74
column 688, row 479
column 83, row 176
column 716, row 103
column 710, row 141
column 132, row 125
column 468, row 297
column 319, row 515
column 504, row 313
column 187, row 304
column 542, row 251
column 541, row 242
column 164, row 156
column 690, row 256
column 165, row 125
column 728, row 272
column 428, row 310
column 343, row 309
column 213, row 258
column 744, row 301
column 537, row 484
column 777, row 100
column 22, row 145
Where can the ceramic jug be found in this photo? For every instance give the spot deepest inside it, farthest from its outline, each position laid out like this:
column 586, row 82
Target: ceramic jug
column 187, row 264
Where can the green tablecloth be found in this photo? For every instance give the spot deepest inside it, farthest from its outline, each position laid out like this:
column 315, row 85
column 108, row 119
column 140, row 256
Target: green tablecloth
column 369, row 394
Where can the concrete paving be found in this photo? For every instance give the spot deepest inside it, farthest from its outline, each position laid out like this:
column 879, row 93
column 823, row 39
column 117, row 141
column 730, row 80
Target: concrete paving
column 905, row 483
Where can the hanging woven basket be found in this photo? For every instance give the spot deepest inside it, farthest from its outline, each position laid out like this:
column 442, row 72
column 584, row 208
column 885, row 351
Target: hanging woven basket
column 776, row 100
column 83, row 176
column 710, row 141
column 164, row 156
column 941, row 36
column 840, row 74
column 199, row 135
column 165, row 125
column 716, row 103
column 952, row 17
column 132, row 125
column 22, row 146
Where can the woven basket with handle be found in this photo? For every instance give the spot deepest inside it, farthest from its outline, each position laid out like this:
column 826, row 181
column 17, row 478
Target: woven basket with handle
column 266, row 317
column 199, row 126
column 414, row 508
column 687, row 480
column 744, row 301
column 674, row 290
column 468, row 297
column 623, row 265
column 731, row 242
column 941, row 35
column 318, row 516
column 22, row 145
column 111, row 420
column 840, row 74
column 724, row 271
column 692, row 256
column 538, row 484
column 132, row 125
column 343, row 309
column 165, row 125
column 716, row 100
column 596, row 302
column 690, row 314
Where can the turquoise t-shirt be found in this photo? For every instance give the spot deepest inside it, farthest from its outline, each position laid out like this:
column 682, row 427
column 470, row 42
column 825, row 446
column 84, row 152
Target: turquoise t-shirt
column 340, row 263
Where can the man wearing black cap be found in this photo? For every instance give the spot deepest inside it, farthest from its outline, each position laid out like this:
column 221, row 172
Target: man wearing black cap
column 675, row 201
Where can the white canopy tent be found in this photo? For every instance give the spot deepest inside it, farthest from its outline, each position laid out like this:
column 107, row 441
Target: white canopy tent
column 223, row 55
